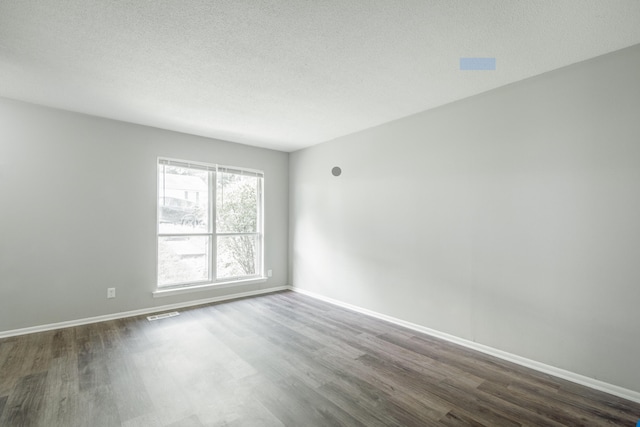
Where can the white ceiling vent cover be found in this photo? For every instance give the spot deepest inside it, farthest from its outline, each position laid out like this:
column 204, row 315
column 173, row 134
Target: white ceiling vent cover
column 162, row 316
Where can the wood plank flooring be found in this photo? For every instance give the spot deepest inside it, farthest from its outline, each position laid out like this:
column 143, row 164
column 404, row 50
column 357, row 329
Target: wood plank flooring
column 274, row 360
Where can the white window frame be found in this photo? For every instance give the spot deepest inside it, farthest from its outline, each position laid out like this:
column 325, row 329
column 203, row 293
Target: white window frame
column 212, row 281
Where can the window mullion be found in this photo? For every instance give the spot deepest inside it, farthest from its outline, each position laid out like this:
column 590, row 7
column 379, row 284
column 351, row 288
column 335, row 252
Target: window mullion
column 213, row 241
column 260, row 224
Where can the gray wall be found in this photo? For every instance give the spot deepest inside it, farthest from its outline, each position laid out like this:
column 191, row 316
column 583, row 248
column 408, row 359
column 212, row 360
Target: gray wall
column 511, row 219
column 78, row 209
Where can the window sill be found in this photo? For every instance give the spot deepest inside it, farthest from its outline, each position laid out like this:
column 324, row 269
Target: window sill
column 158, row 293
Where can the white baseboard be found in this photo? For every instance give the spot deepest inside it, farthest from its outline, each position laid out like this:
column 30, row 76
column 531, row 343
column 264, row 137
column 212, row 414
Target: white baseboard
column 104, row 318
column 541, row 367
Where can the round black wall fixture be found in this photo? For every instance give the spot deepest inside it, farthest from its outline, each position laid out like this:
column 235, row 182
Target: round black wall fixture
column 336, row 171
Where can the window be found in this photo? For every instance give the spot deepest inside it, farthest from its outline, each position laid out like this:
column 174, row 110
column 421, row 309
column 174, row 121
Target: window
column 210, row 227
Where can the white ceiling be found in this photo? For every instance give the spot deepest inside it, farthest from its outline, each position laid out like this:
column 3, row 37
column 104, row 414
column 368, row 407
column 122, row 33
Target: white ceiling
column 292, row 73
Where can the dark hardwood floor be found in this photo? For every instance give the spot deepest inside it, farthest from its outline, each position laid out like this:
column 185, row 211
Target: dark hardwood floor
column 279, row 359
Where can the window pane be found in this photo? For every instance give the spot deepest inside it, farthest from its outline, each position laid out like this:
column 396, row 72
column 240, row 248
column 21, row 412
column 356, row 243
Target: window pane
column 237, row 203
column 183, row 259
column 237, row 256
column 183, row 197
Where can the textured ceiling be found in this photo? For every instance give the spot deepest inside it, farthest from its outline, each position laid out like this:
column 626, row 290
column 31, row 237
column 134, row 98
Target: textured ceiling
column 292, row 73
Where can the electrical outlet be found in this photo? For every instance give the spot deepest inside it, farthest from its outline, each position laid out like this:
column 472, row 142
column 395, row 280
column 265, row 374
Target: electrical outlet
column 269, row 273
column 111, row 292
